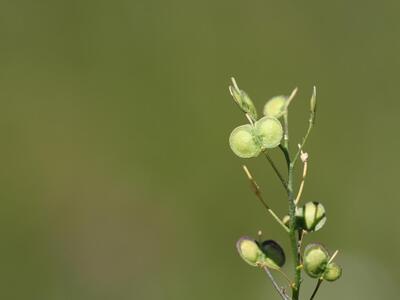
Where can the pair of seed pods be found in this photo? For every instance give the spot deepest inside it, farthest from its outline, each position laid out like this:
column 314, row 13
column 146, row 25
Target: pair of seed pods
column 317, row 265
column 268, row 253
column 249, row 140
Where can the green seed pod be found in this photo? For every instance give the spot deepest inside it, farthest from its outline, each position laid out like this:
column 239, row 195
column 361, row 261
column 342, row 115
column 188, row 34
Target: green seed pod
column 315, row 259
column 274, row 254
column 311, row 216
column 249, row 251
column 243, row 100
column 333, row 272
column 276, row 107
column 243, row 142
column 269, row 132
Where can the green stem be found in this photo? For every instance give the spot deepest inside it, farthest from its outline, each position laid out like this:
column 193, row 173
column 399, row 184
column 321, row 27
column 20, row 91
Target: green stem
column 293, row 231
column 316, row 289
column 275, row 284
column 311, row 121
column 286, row 130
column 284, row 183
column 286, row 153
column 310, row 126
column 293, row 234
column 257, row 192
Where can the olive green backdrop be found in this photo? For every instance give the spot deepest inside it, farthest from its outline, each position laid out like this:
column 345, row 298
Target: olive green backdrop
column 117, row 181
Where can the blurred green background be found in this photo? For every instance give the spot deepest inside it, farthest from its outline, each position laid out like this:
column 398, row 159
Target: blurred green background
column 117, row 181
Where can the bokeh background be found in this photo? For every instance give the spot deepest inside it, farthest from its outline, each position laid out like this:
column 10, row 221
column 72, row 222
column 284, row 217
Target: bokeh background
column 117, row 181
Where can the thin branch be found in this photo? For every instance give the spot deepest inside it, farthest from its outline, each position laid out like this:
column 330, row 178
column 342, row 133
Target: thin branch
column 293, row 234
column 291, row 97
column 249, row 119
column 257, row 192
column 275, row 284
column 310, row 125
column 286, row 120
column 286, row 130
column 316, row 288
column 304, row 158
column 333, row 256
column 302, row 233
column 284, row 183
column 286, row 154
column 311, row 122
column 285, row 276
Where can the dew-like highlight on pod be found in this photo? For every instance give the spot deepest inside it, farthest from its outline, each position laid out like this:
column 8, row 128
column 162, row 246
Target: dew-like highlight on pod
column 243, row 142
column 276, row 107
column 269, row 132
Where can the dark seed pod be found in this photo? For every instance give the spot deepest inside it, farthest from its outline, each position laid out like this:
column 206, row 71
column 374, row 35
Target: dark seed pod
column 333, row 272
column 311, row 216
column 274, row 254
column 315, row 259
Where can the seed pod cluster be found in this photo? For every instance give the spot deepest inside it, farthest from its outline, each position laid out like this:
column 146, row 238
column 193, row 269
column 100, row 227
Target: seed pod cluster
column 316, row 263
column 268, row 253
column 248, row 141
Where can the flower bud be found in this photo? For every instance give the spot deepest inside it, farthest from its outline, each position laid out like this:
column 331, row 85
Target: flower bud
column 315, row 259
column 332, row 272
column 311, row 216
column 313, row 101
column 249, row 251
column 274, row 254
column 243, row 142
column 276, row 107
column 269, row 132
column 243, row 100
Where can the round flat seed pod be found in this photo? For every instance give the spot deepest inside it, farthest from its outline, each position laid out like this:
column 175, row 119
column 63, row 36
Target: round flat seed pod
column 243, row 142
column 249, row 251
column 274, row 254
column 333, row 272
column 311, row 216
column 269, row 132
column 315, row 259
column 275, row 107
